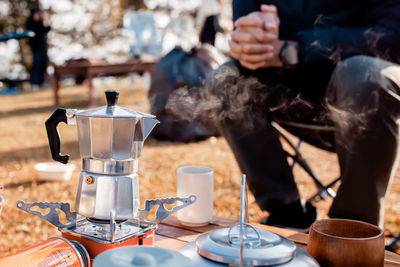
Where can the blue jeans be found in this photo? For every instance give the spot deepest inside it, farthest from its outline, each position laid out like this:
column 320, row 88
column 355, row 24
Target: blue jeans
column 39, row 65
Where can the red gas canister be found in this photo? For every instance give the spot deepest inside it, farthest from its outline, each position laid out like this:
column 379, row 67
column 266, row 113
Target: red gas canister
column 56, row 251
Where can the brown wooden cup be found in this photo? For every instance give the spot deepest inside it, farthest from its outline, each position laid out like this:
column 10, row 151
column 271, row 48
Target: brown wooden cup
column 342, row 243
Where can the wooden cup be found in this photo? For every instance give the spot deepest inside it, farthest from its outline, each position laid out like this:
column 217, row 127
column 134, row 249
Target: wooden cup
column 342, row 243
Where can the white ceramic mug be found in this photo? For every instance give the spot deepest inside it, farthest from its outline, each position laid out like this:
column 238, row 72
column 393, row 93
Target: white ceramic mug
column 198, row 181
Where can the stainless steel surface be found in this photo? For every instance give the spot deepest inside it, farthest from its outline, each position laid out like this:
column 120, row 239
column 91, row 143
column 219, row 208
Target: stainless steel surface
column 243, row 244
column 244, row 238
column 70, row 113
column 243, row 205
column 110, row 142
column 102, row 233
column 113, row 226
column 162, row 212
column 106, row 193
column 272, row 248
column 52, row 216
column 113, row 137
column 300, row 259
column 114, row 167
column 111, row 132
column 142, row 256
column 112, row 111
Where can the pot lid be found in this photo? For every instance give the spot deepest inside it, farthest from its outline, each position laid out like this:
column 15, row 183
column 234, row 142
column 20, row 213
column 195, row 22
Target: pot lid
column 301, row 258
column 260, row 247
column 111, row 110
column 141, row 256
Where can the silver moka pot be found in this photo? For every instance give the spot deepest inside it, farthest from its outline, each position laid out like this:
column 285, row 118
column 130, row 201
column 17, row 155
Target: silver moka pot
column 110, row 143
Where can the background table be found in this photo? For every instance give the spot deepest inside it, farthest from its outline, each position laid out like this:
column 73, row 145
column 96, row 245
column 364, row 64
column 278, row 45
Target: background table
column 88, row 70
column 172, row 235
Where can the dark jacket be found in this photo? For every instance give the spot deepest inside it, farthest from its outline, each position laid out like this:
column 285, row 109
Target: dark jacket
column 38, row 43
column 331, row 30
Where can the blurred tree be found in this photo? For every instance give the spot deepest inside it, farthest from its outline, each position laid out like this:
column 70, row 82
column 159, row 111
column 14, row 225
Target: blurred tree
column 13, row 17
column 15, row 14
column 84, row 25
column 75, row 24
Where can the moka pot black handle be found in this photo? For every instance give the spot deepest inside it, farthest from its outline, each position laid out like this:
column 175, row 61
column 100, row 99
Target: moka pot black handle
column 60, row 115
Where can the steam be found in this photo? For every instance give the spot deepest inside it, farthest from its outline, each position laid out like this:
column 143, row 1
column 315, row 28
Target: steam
column 372, row 41
column 227, row 94
column 352, row 106
column 230, row 94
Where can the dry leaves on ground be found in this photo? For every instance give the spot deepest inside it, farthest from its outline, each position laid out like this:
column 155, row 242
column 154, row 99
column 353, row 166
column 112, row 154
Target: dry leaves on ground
column 23, row 143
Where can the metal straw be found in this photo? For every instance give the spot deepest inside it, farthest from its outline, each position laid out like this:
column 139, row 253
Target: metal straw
column 243, row 205
column 246, row 201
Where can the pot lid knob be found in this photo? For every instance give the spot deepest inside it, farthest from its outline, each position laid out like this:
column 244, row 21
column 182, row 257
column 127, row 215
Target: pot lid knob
column 112, row 97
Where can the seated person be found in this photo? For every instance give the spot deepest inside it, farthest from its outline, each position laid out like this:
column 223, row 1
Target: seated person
column 314, row 62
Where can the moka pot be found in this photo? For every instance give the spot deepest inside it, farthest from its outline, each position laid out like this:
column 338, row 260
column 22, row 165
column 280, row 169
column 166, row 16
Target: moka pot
column 110, row 143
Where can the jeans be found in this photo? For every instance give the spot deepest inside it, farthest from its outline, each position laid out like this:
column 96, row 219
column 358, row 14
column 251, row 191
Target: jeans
column 39, row 66
column 360, row 101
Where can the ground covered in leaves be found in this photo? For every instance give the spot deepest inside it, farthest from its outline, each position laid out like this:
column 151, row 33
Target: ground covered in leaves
column 23, row 143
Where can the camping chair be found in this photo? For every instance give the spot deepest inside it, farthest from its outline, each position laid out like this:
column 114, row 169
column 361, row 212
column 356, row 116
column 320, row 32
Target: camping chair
column 323, row 191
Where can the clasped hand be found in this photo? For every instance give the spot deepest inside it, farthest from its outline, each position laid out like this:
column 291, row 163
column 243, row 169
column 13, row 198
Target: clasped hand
column 255, row 41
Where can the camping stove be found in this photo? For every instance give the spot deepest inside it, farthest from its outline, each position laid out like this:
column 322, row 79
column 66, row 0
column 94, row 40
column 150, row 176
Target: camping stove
column 101, row 235
column 107, row 204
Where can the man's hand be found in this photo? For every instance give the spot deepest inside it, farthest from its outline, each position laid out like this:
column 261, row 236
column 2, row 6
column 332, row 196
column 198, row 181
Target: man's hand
column 266, row 19
column 255, row 42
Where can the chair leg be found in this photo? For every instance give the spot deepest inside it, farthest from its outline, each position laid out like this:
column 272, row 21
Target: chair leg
column 300, row 160
column 323, row 190
column 297, row 149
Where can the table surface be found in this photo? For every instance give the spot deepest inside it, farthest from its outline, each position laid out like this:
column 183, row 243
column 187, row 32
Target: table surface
column 172, row 235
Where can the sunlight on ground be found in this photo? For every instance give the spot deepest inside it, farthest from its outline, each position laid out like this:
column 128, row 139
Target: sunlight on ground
column 24, row 143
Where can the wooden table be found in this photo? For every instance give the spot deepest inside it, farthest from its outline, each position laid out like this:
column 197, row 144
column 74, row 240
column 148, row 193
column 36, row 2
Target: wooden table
column 89, row 70
column 172, row 235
